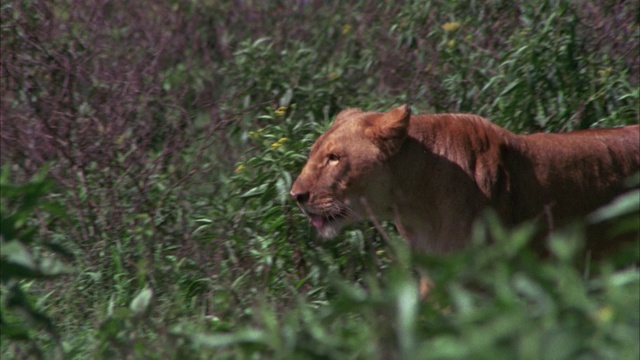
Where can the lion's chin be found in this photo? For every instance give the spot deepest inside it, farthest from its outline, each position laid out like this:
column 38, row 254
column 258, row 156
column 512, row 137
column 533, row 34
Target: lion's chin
column 328, row 232
column 326, row 227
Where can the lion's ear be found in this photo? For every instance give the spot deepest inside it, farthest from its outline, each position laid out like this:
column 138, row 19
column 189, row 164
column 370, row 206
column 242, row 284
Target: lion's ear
column 391, row 129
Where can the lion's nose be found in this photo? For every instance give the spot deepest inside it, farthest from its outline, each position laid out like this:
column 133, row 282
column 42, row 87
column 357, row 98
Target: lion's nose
column 300, row 197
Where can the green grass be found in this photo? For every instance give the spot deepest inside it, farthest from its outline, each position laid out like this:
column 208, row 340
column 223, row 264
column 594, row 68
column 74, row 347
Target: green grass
column 146, row 166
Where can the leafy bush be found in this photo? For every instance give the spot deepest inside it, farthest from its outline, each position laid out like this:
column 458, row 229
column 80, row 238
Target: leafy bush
column 24, row 258
column 493, row 301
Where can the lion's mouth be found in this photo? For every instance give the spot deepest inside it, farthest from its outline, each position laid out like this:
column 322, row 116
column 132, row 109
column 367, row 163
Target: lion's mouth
column 320, row 221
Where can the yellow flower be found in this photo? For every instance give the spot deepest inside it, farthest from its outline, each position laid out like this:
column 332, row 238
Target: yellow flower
column 278, row 143
column 346, row 29
column 239, row 168
column 451, row 43
column 451, row 26
column 120, row 140
column 604, row 314
column 604, row 72
column 281, row 111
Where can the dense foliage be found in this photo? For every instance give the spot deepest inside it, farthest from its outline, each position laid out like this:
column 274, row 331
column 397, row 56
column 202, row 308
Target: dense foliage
column 148, row 149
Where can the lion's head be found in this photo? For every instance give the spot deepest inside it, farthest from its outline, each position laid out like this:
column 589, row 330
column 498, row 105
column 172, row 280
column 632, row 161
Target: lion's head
column 346, row 177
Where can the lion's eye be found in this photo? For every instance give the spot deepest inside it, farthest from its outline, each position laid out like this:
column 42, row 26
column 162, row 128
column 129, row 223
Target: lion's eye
column 333, row 158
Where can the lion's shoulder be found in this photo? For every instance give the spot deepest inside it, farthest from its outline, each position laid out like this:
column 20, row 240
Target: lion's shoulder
column 466, row 139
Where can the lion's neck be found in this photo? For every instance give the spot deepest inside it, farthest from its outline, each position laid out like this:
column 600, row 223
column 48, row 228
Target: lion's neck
column 436, row 177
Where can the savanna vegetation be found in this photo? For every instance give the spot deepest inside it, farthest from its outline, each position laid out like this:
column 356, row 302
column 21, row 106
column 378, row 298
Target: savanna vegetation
column 148, row 148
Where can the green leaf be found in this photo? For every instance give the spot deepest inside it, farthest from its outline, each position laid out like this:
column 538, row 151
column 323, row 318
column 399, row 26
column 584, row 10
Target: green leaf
column 285, row 100
column 259, row 190
column 407, row 305
column 220, row 340
column 141, row 302
column 622, row 205
column 16, row 253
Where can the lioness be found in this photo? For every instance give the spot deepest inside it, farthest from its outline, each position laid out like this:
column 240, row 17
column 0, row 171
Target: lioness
column 432, row 175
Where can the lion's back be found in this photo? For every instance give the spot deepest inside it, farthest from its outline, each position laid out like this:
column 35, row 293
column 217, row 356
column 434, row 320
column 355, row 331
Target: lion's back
column 568, row 175
column 522, row 176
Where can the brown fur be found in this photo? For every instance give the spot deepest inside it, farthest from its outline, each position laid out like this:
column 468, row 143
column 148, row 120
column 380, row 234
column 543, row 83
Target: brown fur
column 434, row 174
